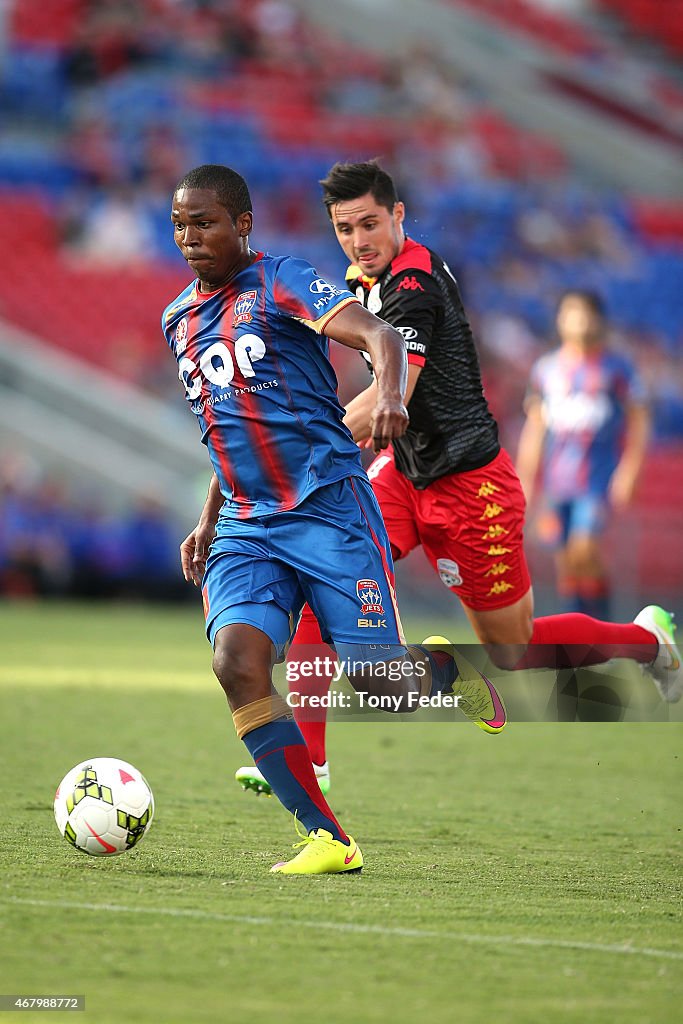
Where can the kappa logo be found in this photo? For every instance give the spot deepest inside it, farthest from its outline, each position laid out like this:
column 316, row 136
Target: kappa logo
column 499, row 569
column 492, row 510
column 500, row 587
column 181, row 335
column 496, row 550
column 449, row 572
column 370, row 597
column 494, row 531
column 410, row 284
column 244, row 303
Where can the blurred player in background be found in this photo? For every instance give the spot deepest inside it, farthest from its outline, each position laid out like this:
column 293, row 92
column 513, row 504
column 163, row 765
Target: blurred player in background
column 587, row 426
column 290, row 516
column 446, row 484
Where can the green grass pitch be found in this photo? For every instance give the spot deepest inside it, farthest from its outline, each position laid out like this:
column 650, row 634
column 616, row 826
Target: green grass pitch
column 530, row 878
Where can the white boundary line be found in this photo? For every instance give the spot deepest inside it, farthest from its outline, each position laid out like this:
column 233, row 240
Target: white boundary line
column 355, row 929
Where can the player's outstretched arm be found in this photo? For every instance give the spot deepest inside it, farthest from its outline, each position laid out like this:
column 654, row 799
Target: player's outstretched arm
column 194, row 550
column 357, row 328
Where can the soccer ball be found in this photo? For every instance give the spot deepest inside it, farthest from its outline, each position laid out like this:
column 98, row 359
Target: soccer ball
column 103, row 806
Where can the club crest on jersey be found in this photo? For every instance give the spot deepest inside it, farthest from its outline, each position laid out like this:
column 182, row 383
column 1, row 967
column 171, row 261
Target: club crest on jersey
column 370, row 597
column 181, row 335
column 449, row 572
column 244, row 303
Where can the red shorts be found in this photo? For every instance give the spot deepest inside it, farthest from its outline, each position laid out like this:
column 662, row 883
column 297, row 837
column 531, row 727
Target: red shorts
column 470, row 525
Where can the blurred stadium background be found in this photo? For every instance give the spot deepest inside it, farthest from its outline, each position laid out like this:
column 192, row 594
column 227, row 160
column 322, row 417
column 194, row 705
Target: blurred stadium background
column 537, row 144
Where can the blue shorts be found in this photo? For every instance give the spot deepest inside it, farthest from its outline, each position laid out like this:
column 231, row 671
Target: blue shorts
column 586, row 514
column 331, row 551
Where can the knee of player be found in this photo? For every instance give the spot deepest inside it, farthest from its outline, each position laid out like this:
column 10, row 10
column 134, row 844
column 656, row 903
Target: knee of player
column 506, row 656
column 235, row 667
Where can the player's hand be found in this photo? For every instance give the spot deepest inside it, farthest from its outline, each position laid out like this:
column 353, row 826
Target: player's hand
column 194, row 552
column 389, row 420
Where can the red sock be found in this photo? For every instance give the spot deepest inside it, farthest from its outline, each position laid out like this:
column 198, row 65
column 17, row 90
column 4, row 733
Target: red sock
column 279, row 751
column 308, row 645
column 567, row 641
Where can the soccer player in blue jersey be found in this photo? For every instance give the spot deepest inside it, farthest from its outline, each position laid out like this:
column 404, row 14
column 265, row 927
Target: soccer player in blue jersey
column 587, row 429
column 290, row 516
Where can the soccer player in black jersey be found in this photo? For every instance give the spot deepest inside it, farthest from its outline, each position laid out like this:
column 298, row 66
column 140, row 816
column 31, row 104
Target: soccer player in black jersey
column 447, row 485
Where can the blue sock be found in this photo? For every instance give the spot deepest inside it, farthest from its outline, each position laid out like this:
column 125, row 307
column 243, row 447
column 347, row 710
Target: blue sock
column 444, row 670
column 279, row 751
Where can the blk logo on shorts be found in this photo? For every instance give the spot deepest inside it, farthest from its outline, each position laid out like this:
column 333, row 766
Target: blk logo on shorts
column 244, row 303
column 370, row 597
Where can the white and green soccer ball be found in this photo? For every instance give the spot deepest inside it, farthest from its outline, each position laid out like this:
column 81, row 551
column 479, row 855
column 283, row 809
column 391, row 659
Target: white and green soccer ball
column 104, row 806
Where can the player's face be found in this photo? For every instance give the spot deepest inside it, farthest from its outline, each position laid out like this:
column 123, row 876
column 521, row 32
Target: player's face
column 370, row 235
column 577, row 322
column 212, row 243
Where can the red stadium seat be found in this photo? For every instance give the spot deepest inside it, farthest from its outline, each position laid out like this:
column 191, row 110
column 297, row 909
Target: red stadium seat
column 551, row 28
column 659, row 220
column 34, row 21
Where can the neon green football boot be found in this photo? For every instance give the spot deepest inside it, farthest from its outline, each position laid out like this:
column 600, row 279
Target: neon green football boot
column 320, row 854
column 250, row 778
column 667, row 668
column 479, row 699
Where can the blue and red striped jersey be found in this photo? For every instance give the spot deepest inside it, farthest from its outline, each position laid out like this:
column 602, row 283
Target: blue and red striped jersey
column 253, row 358
column 584, row 401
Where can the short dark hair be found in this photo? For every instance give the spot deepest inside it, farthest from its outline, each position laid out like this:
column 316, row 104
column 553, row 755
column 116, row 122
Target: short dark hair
column 230, row 187
column 588, row 297
column 349, row 181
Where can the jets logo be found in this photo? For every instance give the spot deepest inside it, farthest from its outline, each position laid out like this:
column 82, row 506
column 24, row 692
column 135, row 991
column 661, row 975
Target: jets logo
column 370, row 597
column 244, row 303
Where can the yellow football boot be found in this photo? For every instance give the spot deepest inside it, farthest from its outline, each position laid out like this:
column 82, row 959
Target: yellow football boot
column 322, row 855
column 479, row 699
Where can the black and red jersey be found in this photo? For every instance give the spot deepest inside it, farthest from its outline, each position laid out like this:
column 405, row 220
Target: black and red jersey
column 451, row 427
